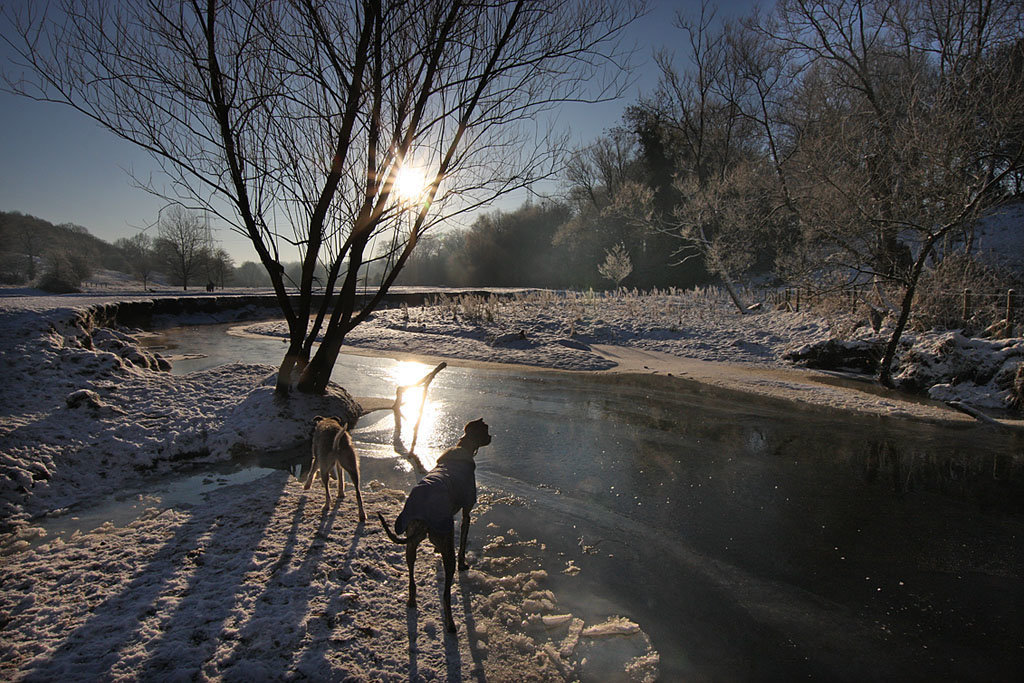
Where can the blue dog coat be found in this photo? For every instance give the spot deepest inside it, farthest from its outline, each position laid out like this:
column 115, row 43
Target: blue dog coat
column 446, row 489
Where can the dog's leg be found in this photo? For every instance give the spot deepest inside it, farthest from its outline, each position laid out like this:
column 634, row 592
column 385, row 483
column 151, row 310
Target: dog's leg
column 463, row 537
column 312, row 473
column 325, row 477
column 410, row 560
column 359, row 496
column 340, row 471
column 448, row 560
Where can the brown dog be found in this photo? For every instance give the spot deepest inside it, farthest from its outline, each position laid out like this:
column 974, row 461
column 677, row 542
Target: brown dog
column 429, row 511
column 333, row 452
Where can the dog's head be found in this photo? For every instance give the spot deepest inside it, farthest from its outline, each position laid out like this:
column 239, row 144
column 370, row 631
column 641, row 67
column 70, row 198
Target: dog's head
column 476, row 434
column 337, row 420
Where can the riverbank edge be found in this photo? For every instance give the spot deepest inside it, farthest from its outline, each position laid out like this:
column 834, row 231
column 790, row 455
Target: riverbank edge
column 807, row 389
column 795, row 385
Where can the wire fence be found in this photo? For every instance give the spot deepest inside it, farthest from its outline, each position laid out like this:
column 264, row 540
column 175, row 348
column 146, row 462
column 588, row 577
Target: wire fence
column 952, row 307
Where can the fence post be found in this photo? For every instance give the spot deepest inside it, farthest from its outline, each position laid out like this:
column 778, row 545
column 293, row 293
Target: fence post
column 967, row 305
column 1010, row 294
column 797, row 299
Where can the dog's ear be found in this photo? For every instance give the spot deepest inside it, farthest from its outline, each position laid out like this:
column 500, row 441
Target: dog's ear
column 343, row 423
column 316, row 420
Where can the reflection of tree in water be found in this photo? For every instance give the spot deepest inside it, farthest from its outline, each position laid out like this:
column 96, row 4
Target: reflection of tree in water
column 992, row 479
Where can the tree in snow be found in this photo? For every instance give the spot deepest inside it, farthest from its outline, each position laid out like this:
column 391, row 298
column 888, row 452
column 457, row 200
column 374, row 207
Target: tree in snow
column 617, row 266
column 183, row 244
column 343, row 131
column 138, row 252
column 708, row 194
column 904, row 125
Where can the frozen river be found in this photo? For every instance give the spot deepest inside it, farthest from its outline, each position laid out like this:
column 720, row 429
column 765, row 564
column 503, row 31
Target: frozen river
column 750, row 539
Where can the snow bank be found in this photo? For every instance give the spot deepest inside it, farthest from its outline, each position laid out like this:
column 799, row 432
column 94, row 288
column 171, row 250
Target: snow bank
column 86, row 409
column 952, row 367
column 946, row 366
column 558, row 330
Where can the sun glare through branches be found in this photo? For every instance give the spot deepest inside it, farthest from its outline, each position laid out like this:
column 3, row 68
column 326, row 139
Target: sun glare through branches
column 410, row 184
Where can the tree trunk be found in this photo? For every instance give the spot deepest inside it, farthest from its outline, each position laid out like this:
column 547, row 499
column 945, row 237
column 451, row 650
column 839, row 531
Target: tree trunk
column 717, row 267
column 733, row 295
column 293, row 361
column 317, row 374
column 885, row 366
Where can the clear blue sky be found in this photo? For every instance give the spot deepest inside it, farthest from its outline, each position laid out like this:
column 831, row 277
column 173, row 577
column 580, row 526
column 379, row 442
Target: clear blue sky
column 61, row 167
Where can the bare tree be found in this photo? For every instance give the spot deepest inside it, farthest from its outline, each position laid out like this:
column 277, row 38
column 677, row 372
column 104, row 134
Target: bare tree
column 182, row 244
column 595, row 173
column 138, row 252
column 30, row 242
column 714, row 192
column 909, row 108
column 219, row 266
column 292, row 120
column 594, row 176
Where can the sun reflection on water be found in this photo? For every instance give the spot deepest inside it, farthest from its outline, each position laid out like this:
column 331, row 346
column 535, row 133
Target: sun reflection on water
column 405, row 373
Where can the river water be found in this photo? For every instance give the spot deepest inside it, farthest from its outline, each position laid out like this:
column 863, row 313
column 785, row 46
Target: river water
column 751, row 539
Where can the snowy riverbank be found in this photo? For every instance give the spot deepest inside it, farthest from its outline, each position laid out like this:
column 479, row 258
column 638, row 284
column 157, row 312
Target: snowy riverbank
column 86, row 408
column 699, row 336
column 254, row 582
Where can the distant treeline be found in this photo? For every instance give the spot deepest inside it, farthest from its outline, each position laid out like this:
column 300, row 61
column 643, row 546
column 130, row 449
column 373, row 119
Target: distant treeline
column 59, row 258
column 30, row 248
column 540, row 245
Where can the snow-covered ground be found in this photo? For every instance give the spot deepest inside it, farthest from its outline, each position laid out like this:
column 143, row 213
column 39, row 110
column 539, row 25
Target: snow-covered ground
column 259, row 584
column 254, row 582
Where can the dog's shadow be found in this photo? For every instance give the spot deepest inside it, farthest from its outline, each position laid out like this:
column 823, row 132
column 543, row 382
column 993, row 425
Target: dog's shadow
column 470, row 622
column 453, row 658
column 412, row 627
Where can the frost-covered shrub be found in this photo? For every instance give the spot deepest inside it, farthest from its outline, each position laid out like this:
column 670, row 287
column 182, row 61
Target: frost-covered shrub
column 65, row 272
column 1017, row 388
column 478, row 307
column 12, row 268
column 940, row 294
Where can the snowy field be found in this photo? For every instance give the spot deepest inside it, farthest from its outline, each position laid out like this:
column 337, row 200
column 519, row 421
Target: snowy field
column 260, row 584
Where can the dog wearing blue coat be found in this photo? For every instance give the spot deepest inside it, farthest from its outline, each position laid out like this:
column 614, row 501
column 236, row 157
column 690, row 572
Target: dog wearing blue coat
column 429, row 511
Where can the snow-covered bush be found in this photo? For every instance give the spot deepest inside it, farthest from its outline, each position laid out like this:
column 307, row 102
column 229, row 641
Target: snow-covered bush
column 65, row 272
column 939, row 303
column 950, row 365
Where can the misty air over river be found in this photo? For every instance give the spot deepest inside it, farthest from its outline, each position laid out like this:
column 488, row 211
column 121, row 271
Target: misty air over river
column 748, row 538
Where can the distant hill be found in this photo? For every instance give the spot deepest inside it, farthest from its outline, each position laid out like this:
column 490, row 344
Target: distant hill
column 23, row 237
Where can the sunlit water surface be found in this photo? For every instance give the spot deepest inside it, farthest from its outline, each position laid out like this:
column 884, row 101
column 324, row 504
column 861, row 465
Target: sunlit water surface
column 750, row 539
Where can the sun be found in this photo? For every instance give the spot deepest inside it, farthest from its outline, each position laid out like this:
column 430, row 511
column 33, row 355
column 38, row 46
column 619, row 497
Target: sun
column 410, row 183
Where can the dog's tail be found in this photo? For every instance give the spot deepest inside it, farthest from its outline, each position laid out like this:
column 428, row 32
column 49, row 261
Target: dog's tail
column 394, row 539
